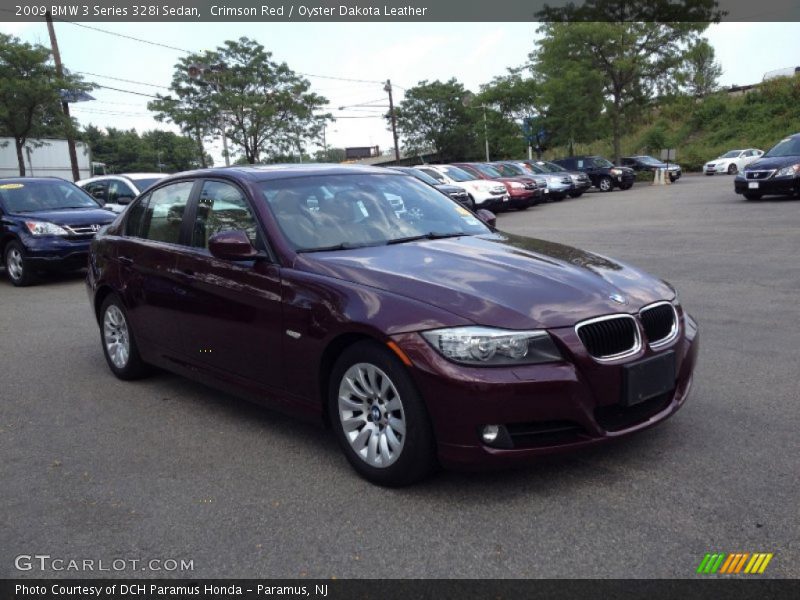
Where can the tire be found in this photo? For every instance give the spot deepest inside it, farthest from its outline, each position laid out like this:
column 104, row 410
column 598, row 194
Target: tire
column 356, row 402
column 709, row 174
column 118, row 341
column 626, row 186
column 752, row 196
column 575, row 194
column 14, row 262
column 732, row 170
column 605, row 184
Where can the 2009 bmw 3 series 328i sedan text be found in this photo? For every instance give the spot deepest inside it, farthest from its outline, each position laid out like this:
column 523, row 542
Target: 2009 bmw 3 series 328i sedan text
column 369, row 301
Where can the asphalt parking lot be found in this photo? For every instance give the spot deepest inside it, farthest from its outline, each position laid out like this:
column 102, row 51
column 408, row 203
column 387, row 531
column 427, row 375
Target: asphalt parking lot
column 96, row 468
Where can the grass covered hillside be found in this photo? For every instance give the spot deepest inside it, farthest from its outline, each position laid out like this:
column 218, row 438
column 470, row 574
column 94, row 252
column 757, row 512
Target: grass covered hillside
column 703, row 129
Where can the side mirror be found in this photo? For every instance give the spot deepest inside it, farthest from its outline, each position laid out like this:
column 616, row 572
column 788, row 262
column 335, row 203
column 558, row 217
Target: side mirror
column 231, row 245
column 125, row 199
column 487, row 217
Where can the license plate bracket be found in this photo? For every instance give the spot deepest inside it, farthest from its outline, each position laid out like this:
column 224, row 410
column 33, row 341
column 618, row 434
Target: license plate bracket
column 648, row 378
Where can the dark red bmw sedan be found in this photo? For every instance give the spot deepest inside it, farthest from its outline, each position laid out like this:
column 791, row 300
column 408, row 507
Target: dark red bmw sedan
column 369, row 301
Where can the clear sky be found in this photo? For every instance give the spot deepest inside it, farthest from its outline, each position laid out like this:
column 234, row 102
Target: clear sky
column 407, row 53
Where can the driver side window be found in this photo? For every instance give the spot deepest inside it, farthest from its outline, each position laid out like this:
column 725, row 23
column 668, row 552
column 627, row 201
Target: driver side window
column 223, row 207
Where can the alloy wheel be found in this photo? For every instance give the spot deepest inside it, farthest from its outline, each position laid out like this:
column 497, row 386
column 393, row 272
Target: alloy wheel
column 605, row 184
column 14, row 264
column 372, row 416
column 116, row 336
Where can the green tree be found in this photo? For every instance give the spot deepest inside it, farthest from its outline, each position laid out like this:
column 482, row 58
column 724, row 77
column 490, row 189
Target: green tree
column 633, row 47
column 700, row 74
column 30, row 93
column 268, row 110
column 512, row 99
column 433, row 117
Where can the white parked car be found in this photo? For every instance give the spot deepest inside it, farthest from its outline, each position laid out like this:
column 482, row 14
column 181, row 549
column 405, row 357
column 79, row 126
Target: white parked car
column 482, row 193
column 732, row 162
column 115, row 192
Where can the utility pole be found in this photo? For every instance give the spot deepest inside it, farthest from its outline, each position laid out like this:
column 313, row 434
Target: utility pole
column 73, row 155
column 485, row 132
column 388, row 88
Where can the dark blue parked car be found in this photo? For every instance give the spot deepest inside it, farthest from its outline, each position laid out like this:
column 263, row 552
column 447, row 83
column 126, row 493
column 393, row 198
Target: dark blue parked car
column 46, row 224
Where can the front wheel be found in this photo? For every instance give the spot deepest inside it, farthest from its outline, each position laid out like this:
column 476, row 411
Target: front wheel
column 379, row 418
column 732, row 170
column 605, row 184
column 575, row 194
column 19, row 274
column 119, row 344
column 752, row 196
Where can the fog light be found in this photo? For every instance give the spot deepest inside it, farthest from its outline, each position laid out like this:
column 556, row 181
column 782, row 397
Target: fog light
column 490, row 433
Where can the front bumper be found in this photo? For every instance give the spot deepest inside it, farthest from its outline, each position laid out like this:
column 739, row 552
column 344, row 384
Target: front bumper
column 782, row 186
column 552, row 408
column 525, row 199
column 55, row 253
column 493, row 202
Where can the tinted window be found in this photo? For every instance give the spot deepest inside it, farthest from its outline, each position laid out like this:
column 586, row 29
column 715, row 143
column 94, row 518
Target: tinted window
column 164, row 212
column 119, row 190
column 222, row 207
column 359, row 210
column 433, row 174
column 33, row 196
column 97, row 189
column 788, row 147
column 133, row 220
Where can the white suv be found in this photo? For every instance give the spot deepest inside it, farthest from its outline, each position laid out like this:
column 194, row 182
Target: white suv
column 115, row 192
column 482, row 193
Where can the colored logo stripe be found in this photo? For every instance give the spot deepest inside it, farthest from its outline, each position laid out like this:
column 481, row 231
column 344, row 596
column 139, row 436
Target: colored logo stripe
column 734, row 563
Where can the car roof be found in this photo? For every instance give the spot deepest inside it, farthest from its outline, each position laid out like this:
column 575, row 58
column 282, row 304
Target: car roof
column 32, row 180
column 143, row 175
column 256, row 173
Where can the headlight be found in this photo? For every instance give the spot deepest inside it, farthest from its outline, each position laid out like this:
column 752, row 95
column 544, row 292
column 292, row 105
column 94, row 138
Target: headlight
column 485, row 346
column 789, row 171
column 616, row 171
column 517, row 185
column 44, row 228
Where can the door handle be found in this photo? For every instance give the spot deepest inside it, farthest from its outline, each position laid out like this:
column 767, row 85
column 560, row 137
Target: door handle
column 126, row 260
column 179, row 290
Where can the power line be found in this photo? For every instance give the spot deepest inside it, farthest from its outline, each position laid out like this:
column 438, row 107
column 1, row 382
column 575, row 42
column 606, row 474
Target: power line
column 128, row 37
column 108, row 87
column 163, row 87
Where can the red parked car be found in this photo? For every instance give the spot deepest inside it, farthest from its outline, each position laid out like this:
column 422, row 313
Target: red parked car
column 523, row 192
column 365, row 299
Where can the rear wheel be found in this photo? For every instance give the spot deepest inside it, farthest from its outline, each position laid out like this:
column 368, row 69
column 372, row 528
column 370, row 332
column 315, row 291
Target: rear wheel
column 379, row 418
column 605, row 184
column 19, row 274
column 752, row 196
column 119, row 345
column 732, row 170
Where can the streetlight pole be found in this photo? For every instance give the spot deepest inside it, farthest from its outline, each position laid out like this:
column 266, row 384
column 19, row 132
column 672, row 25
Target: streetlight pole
column 485, row 132
column 388, row 88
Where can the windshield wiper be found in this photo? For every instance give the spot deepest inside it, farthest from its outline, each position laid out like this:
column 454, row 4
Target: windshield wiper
column 431, row 235
column 342, row 246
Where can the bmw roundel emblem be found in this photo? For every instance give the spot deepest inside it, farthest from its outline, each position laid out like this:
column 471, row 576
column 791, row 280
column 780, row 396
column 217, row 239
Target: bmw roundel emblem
column 618, row 298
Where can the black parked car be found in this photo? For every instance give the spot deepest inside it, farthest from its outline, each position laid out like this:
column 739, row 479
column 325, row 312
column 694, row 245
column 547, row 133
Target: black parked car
column 602, row 172
column 46, row 224
column 649, row 163
column 776, row 172
column 458, row 194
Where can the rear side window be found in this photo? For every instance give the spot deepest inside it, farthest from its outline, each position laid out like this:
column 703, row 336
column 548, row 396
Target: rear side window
column 222, row 207
column 163, row 215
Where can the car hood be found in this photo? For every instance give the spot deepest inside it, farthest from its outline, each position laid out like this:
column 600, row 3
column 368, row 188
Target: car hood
column 498, row 280
column 71, row 216
column 776, row 162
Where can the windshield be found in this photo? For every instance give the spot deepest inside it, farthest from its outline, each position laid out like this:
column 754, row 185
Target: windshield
column 487, row 170
column 648, row 160
column 457, row 174
column 509, row 170
column 422, row 176
column 143, row 184
column 602, row 163
column 731, row 154
column 35, row 196
column 551, row 167
column 335, row 212
column 788, row 147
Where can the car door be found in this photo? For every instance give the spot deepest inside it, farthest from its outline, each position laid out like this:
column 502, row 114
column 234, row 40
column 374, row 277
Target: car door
column 232, row 311
column 147, row 260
